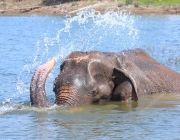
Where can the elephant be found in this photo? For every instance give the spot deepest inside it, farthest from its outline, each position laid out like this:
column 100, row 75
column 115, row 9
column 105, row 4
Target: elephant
column 92, row 77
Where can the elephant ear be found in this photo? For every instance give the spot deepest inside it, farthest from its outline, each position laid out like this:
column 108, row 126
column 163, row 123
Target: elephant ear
column 123, row 73
column 139, row 68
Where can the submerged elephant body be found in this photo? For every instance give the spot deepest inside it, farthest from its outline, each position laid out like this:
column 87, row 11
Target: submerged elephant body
column 91, row 77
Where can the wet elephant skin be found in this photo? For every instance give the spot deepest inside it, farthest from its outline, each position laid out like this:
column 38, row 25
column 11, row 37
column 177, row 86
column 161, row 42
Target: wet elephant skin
column 91, row 77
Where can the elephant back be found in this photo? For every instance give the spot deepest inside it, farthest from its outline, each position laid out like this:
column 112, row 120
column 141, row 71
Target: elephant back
column 149, row 75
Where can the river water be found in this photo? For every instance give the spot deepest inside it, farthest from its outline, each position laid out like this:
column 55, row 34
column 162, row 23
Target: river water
column 28, row 41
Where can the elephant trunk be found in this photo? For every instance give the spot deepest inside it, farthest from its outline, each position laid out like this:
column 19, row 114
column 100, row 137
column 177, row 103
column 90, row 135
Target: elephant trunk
column 37, row 87
column 67, row 95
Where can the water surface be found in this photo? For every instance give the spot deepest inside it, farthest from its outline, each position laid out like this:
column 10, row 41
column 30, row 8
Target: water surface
column 28, row 41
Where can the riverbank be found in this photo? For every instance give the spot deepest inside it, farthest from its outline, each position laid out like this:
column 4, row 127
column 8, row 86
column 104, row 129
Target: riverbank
column 18, row 7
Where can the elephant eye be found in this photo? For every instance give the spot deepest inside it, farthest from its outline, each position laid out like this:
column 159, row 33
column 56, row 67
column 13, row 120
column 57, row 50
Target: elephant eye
column 63, row 67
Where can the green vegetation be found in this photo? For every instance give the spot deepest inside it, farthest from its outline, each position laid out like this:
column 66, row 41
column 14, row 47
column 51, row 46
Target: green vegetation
column 159, row 2
column 129, row 2
column 137, row 3
column 75, row 4
column 120, row 4
column 92, row 1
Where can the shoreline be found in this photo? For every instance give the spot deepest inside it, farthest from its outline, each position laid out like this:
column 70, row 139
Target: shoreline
column 69, row 8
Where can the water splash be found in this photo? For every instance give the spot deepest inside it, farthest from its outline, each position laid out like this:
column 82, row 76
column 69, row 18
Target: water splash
column 88, row 30
column 92, row 30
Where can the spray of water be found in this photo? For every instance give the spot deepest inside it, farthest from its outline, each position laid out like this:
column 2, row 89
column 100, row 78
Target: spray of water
column 88, row 30
column 92, row 30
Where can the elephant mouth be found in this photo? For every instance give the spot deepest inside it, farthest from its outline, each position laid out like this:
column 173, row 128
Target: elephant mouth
column 67, row 96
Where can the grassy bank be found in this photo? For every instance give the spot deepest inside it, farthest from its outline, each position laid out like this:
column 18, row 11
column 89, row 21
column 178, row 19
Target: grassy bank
column 72, row 6
column 17, row 4
column 149, row 2
column 141, row 2
column 159, row 2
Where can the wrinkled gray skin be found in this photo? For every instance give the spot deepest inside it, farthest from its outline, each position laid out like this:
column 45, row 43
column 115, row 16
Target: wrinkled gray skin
column 92, row 77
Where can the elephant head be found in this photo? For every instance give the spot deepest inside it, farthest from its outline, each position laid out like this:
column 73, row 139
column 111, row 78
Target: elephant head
column 92, row 77
column 85, row 78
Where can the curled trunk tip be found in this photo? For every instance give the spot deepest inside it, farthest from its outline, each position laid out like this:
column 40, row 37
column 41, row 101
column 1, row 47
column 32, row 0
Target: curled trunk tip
column 37, row 87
